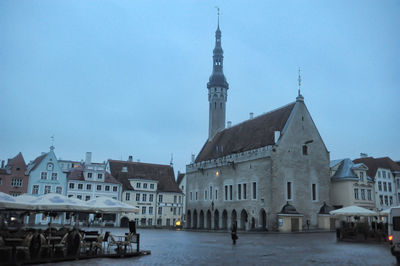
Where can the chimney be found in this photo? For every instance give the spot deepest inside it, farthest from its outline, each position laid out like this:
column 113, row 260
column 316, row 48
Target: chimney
column 363, row 155
column 277, row 134
column 2, row 163
column 251, row 115
column 88, row 159
column 229, row 124
column 130, row 158
column 193, row 158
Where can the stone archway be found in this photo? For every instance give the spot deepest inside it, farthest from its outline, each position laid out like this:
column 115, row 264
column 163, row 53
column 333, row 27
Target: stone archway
column 243, row 220
column 233, row 217
column 263, row 219
column 124, row 222
column 209, row 220
column 195, row 219
column 201, row 220
column 224, row 219
column 188, row 219
column 216, row 220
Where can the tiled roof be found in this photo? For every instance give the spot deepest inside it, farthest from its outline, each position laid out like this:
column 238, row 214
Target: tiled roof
column 180, row 178
column 345, row 171
column 13, row 164
column 164, row 174
column 374, row 163
column 37, row 161
column 251, row 134
column 77, row 174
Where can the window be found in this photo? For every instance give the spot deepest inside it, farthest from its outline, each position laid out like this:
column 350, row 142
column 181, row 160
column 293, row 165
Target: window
column 205, row 194
column 289, row 190
column 160, row 198
column 174, row 210
column 216, row 194
column 98, row 187
column 379, row 173
column 107, row 188
column 151, row 197
column 211, row 196
column 159, row 210
column 137, row 196
column 35, row 189
column 47, row 189
column 180, row 199
column 151, row 186
column 88, row 187
column 115, row 188
column 87, row 198
column 381, row 199
column 314, row 192
column 362, row 176
column 244, row 191
column 226, row 192
column 0, row 181
column 175, row 199
column 80, row 186
column 380, row 185
column 168, row 222
column 191, row 196
column 397, row 182
column 390, row 186
column 53, row 176
column 386, row 200
column 196, row 195
column 144, row 185
column 254, row 190
column 230, row 192
column 89, row 175
column 356, row 193
column 144, row 197
column 396, row 223
column 369, row 194
column 99, row 176
column 391, row 200
column 384, row 186
column 398, row 196
column 150, row 210
column 71, row 185
column 43, row 176
column 16, row 182
column 59, row 190
column 128, row 196
column 305, row 150
column 137, row 185
column 239, row 190
column 144, row 210
column 384, row 174
column 363, row 194
column 70, row 196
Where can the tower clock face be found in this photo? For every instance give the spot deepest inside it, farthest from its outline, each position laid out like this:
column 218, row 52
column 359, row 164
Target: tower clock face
column 50, row 167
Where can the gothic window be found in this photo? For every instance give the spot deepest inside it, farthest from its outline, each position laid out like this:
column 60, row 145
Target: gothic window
column 289, row 190
column 314, row 192
column 305, row 150
column 220, row 105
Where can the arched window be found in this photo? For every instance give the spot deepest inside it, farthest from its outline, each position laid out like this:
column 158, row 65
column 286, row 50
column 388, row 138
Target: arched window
column 215, row 105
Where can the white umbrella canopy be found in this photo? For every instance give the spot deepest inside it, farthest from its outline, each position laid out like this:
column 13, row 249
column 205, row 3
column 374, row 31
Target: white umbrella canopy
column 353, row 211
column 385, row 212
column 58, row 202
column 109, row 205
column 10, row 202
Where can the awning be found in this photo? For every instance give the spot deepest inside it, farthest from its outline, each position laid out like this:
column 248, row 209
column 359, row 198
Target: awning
column 353, row 211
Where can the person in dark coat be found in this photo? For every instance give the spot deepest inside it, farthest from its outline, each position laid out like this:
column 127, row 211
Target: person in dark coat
column 234, row 233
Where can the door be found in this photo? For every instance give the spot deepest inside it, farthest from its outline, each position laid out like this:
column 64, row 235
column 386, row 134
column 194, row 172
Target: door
column 295, row 224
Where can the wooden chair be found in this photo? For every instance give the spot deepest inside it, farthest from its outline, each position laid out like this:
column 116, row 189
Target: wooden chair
column 98, row 245
column 44, row 247
column 113, row 242
column 61, row 248
column 24, row 247
column 132, row 239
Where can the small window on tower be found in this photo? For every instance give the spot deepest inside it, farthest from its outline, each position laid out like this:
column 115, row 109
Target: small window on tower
column 215, row 105
column 305, row 151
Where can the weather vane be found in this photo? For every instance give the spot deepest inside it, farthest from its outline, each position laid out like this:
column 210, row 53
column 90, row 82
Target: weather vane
column 52, row 140
column 299, row 79
column 217, row 13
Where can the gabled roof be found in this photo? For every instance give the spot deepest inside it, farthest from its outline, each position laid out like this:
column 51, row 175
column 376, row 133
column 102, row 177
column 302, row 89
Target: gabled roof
column 164, row 174
column 36, row 162
column 248, row 135
column 374, row 163
column 13, row 163
column 77, row 174
column 180, row 178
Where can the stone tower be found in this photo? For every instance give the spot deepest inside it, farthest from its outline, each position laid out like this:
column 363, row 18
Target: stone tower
column 217, row 89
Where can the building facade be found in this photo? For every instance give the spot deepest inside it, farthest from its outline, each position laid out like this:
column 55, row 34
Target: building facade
column 13, row 177
column 181, row 181
column 250, row 172
column 386, row 173
column 151, row 188
column 351, row 185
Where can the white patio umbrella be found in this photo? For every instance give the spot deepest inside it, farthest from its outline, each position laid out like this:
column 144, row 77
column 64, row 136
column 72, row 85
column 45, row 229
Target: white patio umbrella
column 385, row 212
column 8, row 202
column 353, row 211
column 58, row 202
column 109, row 205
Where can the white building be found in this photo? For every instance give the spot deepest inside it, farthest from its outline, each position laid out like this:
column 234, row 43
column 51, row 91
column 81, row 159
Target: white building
column 181, row 180
column 150, row 187
column 385, row 173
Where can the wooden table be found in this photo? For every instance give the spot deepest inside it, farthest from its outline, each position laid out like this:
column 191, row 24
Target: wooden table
column 52, row 240
column 121, row 239
column 90, row 239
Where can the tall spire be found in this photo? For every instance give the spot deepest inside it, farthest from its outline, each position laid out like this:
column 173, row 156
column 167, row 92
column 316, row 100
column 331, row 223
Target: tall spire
column 217, row 88
column 299, row 96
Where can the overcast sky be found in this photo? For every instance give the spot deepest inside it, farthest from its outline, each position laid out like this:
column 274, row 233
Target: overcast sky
column 121, row 78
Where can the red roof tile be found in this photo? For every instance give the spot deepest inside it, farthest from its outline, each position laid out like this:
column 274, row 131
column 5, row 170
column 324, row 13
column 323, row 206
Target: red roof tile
column 374, row 163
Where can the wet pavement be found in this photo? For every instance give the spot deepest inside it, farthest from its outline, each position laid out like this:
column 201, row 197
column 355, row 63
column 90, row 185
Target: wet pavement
column 205, row 248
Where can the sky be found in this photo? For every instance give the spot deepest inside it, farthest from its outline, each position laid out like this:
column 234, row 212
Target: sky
column 120, row 78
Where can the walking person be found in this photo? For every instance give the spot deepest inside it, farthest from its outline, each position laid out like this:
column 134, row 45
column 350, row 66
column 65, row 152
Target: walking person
column 234, row 233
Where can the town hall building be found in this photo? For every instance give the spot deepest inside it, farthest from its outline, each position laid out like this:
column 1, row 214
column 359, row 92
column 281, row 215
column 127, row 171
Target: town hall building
column 270, row 172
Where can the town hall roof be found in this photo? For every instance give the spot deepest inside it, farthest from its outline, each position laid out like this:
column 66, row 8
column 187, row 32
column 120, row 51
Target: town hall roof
column 164, row 174
column 248, row 135
column 77, row 174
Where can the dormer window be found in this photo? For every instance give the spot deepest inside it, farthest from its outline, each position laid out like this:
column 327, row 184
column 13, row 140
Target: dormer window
column 137, row 185
column 151, row 186
column 124, row 169
column 144, row 185
column 89, row 175
column 362, row 176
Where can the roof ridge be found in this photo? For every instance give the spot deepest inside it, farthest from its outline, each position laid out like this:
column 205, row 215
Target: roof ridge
column 152, row 164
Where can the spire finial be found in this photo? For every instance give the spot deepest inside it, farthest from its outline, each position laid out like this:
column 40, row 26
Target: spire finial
column 299, row 80
column 52, row 142
column 217, row 14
